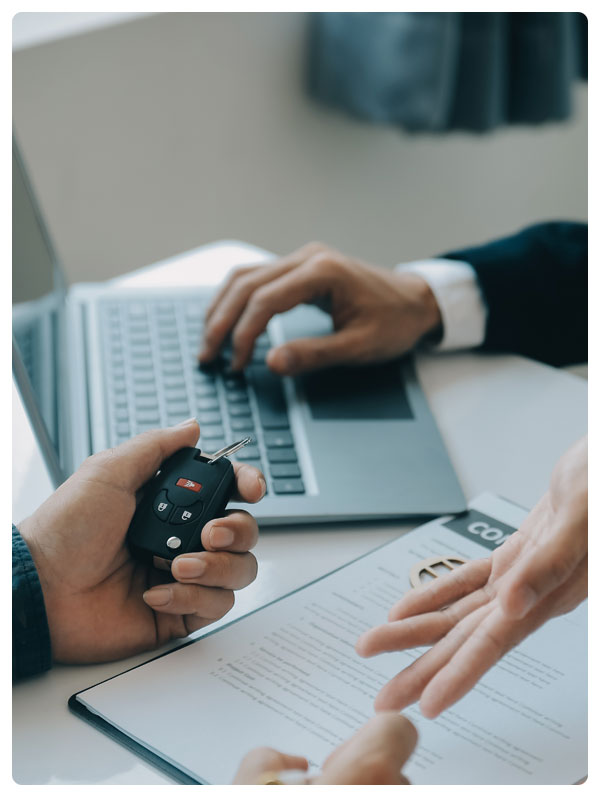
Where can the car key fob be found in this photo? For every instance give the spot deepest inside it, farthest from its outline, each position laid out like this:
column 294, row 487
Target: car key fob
column 190, row 489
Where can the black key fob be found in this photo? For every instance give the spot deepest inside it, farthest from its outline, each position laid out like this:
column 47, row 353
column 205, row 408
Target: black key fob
column 187, row 492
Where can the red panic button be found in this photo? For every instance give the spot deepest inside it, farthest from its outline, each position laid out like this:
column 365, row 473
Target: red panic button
column 188, row 484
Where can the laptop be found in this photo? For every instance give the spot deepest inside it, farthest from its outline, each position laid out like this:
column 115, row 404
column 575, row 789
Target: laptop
column 99, row 363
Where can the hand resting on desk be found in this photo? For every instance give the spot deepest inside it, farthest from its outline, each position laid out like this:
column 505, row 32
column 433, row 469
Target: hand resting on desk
column 375, row 755
column 476, row 614
column 100, row 603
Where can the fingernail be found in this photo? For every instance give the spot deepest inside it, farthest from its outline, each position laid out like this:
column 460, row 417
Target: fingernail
column 189, row 568
column 221, row 536
column 157, row 597
column 187, row 422
column 263, row 484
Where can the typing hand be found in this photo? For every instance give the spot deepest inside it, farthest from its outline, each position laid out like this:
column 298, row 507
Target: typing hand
column 102, row 604
column 377, row 314
column 375, row 755
column 477, row 613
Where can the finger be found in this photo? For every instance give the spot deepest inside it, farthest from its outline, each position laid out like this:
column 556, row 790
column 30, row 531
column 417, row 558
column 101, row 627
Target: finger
column 311, row 354
column 223, row 570
column 237, row 531
column 300, row 285
column 234, row 275
column 422, row 629
column 492, row 638
column 250, row 484
column 184, row 599
column 406, row 687
column 279, row 266
column 263, row 760
column 131, row 464
column 442, row 591
column 544, row 569
column 227, row 307
column 230, row 307
column 375, row 754
column 403, row 634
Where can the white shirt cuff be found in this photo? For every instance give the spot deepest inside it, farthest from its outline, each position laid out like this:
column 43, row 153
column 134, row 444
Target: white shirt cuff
column 459, row 297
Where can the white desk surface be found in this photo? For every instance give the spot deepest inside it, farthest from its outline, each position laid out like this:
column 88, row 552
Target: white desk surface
column 505, row 420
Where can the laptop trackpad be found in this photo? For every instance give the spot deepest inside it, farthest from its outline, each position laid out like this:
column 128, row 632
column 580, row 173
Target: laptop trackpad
column 373, row 392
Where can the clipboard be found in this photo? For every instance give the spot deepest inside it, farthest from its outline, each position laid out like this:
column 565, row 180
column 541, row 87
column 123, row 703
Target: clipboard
column 154, row 759
column 209, row 690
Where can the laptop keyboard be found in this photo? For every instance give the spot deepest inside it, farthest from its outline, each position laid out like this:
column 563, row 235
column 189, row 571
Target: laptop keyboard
column 153, row 380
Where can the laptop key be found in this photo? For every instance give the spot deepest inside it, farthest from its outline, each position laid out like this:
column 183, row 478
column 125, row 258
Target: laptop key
column 121, row 414
column 209, row 417
column 172, row 420
column 242, row 424
column 212, row 444
column 239, row 410
column 272, row 406
column 144, row 390
column 136, row 310
column 180, row 394
column 288, row 486
column 235, row 396
column 249, row 452
column 207, row 404
column 285, row 470
column 177, row 407
column 122, row 429
column 148, row 416
column 281, row 455
column 205, row 391
column 146, row 402
column 212, row 431
column 279, row 439
column 234, row 381
column 175, row 382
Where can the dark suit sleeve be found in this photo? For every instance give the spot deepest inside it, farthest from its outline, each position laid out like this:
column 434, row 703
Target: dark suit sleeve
column 31, row 651
column 535, row 287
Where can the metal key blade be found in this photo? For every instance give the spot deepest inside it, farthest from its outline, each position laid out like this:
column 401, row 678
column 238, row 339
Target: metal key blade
column 230, row 449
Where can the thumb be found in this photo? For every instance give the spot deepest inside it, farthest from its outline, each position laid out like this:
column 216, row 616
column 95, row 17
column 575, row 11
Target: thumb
column 264, row 764
column 544, row 569
column 131, row 464
column 309, row 354
column 375, row 754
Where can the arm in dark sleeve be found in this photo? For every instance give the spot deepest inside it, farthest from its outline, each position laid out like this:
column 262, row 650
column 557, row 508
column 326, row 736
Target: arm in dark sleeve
column 31, row 637
column 535, row 287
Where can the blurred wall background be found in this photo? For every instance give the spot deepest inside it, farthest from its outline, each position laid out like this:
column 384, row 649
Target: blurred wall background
column 168, row 131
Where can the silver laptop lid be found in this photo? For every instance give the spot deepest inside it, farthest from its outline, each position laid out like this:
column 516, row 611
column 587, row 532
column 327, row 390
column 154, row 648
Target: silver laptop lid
column 38, row 307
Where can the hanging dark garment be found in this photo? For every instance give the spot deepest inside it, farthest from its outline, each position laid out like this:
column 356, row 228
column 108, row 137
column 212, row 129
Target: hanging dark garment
column 448, row 71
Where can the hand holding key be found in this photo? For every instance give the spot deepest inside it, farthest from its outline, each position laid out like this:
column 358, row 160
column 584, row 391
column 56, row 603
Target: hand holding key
column 100, row 602
column 377, row 314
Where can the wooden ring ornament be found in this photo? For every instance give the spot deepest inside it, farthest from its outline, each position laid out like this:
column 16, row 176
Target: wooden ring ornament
column 428, row 566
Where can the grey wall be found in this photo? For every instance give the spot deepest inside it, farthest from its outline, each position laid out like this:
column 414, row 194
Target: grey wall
column 163, row 133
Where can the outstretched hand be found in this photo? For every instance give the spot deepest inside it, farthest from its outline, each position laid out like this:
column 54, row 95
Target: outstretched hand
column 101, row 604
column 477, row 613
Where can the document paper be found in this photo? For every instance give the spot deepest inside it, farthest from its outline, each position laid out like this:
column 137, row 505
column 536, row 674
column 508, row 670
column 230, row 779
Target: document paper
column 287, row 676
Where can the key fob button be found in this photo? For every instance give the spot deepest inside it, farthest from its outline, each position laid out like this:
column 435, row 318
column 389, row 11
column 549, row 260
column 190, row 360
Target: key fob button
column 162, row 506
column 187, row 514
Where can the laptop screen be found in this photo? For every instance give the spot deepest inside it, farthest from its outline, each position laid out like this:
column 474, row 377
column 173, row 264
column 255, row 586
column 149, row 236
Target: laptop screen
column 38, row 296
